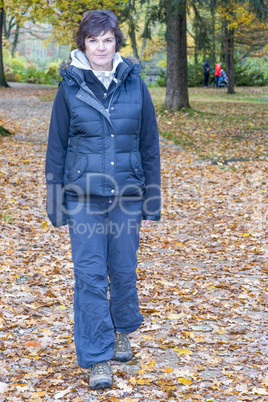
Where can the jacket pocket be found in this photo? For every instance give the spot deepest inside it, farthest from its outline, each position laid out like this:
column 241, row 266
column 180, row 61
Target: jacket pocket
column 78, row 169
column 136, row 166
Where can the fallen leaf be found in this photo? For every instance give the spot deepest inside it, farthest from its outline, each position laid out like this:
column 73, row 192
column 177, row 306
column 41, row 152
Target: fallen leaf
column 61, row 394
column 185, row 381
column 33, row 344
column 183, row 351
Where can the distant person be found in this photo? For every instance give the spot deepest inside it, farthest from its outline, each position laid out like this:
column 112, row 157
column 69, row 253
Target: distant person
column 217, row 74
column 206, row 67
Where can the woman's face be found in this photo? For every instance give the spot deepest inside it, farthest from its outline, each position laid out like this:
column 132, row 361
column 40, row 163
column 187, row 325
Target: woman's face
column 100, row 51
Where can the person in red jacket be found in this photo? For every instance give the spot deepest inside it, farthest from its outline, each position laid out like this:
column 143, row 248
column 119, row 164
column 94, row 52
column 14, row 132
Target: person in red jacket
column 217, row 74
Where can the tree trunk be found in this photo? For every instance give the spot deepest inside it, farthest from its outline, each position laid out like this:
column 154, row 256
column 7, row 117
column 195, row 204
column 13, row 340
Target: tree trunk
column 195, row 40
column 223, row 40
column 16, row 40
column 132, row 35
column 177, row 75
column 213, row 38
column 3, row 82
column 230, row 59
column 144, row 37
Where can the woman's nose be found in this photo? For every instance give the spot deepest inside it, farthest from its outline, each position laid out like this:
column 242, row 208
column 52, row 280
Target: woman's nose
column 101, row 46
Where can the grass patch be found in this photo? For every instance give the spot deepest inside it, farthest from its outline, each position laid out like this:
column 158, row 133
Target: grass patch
column 183, row 141
column 7, row 218
column 219, row 126
column 46, row 95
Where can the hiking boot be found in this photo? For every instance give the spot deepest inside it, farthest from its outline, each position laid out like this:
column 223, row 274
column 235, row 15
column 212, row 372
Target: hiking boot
column 122, row 349
column 100, row 375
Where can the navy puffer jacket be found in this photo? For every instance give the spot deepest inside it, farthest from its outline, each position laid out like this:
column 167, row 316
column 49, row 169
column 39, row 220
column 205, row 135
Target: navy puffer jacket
column 102, row 143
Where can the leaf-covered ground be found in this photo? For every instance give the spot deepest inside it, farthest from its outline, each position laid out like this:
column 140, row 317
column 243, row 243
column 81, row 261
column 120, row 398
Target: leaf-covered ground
column 202, row 274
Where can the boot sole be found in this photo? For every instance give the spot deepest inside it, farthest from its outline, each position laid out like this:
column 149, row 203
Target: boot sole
column 123, row 358
column 101, row 385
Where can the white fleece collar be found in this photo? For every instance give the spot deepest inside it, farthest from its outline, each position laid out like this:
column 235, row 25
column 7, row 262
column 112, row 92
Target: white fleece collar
column 80, row 60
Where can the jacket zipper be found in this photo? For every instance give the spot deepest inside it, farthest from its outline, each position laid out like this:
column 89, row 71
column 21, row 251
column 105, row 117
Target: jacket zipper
column 118, row 84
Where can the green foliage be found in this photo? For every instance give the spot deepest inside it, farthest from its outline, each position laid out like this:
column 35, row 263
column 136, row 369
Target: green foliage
column 195, row 76
column 7, row 218
column 161, row 80
column 52, row 72
column 18, row 69
column 16, row 64
column 4, row 132
column 247, row 74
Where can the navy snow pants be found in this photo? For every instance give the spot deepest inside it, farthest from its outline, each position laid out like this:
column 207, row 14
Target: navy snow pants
column 104, row 241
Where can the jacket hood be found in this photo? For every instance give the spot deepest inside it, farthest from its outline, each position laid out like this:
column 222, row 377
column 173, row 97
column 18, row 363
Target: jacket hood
column 80, row 60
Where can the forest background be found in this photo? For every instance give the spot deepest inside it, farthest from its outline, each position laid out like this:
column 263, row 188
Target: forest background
column 172, row 39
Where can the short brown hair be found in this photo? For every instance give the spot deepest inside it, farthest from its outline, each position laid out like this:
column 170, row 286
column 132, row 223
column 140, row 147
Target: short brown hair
column 97, row 22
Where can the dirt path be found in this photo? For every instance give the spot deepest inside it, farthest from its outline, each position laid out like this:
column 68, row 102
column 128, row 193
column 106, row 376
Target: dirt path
column 202, row 279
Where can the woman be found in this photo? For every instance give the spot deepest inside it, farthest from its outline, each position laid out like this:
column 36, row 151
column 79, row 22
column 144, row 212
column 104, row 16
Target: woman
column 103, row 178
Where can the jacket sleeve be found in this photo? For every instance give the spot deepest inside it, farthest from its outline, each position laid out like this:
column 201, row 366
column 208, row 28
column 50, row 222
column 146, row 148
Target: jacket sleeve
column 149, row 148
column 55, row 160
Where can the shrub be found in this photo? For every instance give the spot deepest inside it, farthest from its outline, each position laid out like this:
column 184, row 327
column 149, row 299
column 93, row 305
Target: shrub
column 52, row 72
column 13, row 77
column 248, row 75
column 161, row 81
column 18, row 69
column 195, row 76
column 16, row 64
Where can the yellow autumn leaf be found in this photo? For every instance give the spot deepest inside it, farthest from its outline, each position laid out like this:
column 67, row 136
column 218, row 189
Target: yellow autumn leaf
column 141, row 371
column 146, row 367
column 185, row 381
column 144, row 381
column 147, row 337
column 62, row 307
column 220, row 331
column 45, row 226
column 133, row 381
column 184, row 351
column 35, row 357
column 168, row 370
